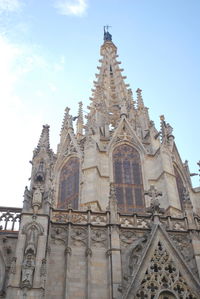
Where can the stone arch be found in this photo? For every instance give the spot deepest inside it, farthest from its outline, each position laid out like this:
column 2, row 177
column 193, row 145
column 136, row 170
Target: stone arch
column 127, row 177
column 33, row 225
column 32, row 230
column 166, row 294
column 69, row 184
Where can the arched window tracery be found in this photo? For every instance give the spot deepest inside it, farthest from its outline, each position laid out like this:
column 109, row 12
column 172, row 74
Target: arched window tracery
column 128, row 179
column 180, row 185
column 69, row 184
column 166, row 295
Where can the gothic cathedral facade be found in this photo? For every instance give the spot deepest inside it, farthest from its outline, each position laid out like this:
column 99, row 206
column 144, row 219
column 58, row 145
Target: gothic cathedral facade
column 112, row 214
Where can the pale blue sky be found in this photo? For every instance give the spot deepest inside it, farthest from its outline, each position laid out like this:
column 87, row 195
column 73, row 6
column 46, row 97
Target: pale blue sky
column 49, row 51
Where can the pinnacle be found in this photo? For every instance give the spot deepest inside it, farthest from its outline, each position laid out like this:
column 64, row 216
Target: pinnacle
column 43, row 141
column 140, row 103
column 44, row 137
column 67, row 121
column 79, row 123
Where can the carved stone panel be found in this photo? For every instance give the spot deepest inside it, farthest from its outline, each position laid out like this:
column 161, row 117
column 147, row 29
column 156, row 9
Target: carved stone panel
column 162, row 274
column 59, row 234
column 99, row 237
column 183, row 243
column 79, row 236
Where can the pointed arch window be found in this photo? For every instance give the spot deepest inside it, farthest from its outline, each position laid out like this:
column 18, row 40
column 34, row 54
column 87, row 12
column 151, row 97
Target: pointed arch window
column 128, row 179
column 69, row 184
column 180, row 185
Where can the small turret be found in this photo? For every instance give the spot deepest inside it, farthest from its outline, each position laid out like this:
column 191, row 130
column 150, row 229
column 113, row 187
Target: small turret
column 42, row 165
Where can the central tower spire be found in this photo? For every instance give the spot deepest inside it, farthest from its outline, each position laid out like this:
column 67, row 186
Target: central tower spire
column 110, row 91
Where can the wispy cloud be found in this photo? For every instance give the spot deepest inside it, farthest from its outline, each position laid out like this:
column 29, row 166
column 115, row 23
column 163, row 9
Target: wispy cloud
column 10, row 5
column 71, row 7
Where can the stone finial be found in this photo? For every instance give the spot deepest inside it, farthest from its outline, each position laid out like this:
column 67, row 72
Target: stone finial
column 155, row 204
column 80, row 124
column 44, row 137
column 43, row 141
column 166, row 130
column 67, row 121
column 140, row 103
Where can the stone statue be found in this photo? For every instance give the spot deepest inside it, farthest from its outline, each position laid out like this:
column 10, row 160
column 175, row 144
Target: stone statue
column 28, row 268
column 37, row 197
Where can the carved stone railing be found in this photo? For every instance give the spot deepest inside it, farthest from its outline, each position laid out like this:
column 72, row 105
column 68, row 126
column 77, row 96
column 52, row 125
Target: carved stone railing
column 137, row 221
column 80, row 217
column 10, row 219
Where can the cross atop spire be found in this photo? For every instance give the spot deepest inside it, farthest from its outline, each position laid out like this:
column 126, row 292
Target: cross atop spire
column 107, row 35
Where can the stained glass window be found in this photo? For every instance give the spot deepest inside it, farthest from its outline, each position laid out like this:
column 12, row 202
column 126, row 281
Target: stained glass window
column 69, row 184
column 180, row 185
column 128, row 179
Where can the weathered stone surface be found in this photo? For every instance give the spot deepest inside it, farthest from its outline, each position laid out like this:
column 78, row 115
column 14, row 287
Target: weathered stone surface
column 121, row 241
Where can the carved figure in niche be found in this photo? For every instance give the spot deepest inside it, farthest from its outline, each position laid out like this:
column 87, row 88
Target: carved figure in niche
column 134, row 252
column 28, row 268
column 31, row 239
column 40, row 174
column 37, row 199
column 43, row 272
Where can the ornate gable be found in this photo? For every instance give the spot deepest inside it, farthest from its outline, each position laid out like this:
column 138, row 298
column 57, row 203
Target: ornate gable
column 125, row 133
column 161, row 268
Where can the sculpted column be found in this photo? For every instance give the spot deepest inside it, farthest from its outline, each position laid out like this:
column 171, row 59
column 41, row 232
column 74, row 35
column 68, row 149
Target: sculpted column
column 116, row 270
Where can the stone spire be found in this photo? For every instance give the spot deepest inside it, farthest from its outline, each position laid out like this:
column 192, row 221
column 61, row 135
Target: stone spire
column 67, row 121
column 43, row 141
column 109, row 89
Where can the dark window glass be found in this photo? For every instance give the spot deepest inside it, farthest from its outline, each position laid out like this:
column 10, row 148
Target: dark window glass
column 119, row 194
column 138, row 197
column 129, row 196
column 118, row 171
column 136, row 173
column 69, row 184
column 128, row 179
